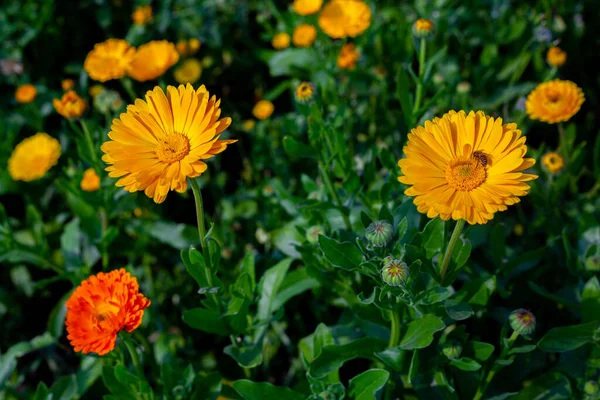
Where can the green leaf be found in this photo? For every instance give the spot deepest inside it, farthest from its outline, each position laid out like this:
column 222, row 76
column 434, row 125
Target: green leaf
column 248, row 267
column 419, row 333
column 365, row 219
column 207, row 320
column 402, row 228
column 481, row 351
column 465, row 364
column 343, row 255
column 567, row 338
column 333, row 357
column 264, row 391
column 477, row 292
column 125, row 377
column 393, row 357
column 64, row 388
column 269, row 286
column 522, row 349
column 590, row 300
column 285, row 62
column 457, row 310
column 298, row 149
column 295, row 283
column 403, row 95
column 433, row 237
column 8, row 360
column 246, row 356
column 435, row 295
column 42, row 392
column 207, row 386
column 366, row 385
column 552, row 386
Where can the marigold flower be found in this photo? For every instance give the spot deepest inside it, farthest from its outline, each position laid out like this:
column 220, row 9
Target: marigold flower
column 188, row 72
column 102, row 306
column 422, row 28
column 67, row 84
column 395, row 272
column 304, row 35
column 281, row 41
column 263, row 109
column 348, row 56
column 90, row 181
column 342, row 18
column 70, row 105
column 554, row 101
column 556, row 57
column 187, row 47
column 109, row 60
column 248, row 125
column 152, row 60
column 160, row 142
column 465, row 166
column 137, row 212
column 142, row 15
column 553, row 162
column 379, row 233
column 33, row 157
column 307, row 7
column 95, row 90
column 305, row 92
column 26, row 93
column 194, row 45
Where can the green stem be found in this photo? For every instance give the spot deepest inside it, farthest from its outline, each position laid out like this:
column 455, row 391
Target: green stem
column 563, row 140
column 134, row 357
column 419, row 95
column 395, row 330
column 199, row 213
column 126, row 82
column 104, row 222
column 90, row 143
column 334, row 194
column 448, row 256
column 495, row 368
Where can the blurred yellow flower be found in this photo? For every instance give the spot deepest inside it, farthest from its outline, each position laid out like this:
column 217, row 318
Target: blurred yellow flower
column 248, row 125
column 554, row 101
column 138, row 212
column 160, row 142
column 422, row 27
column 25, row 93
column 95, row 90
column 67, row 84
column 307, row 7
column 33, row 157
column 348, row 56
column 194, row 45
column 263, row 109
column 187, row 47
column 465, row 166
column 90, row 181
column 281, row 41
column 305, row 92
column 519, row 230
column 152, row 60
column 109, row 60
column 188, row 72
column 304, row 35
column 70, row 105
column 341, row 18
column 553, row 162
column 141, row 15
column 556, row 57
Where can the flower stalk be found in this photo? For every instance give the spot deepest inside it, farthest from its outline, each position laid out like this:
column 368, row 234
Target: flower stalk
column 134, row 356
column 199, row 212
column 419, row 94
column 495, row 367
column 448, row 255
column 334, row 194
column 395, row 329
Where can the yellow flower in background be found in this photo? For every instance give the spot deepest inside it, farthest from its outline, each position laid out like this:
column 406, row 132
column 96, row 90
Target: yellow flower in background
column 90, row 181
column 189, row 71
column 422, row 27
column 194, row 45
column 305, row 92
column 307, row 7
column 304, row 35
column 281, row 41
column 342, row 18
column 554, row 101
column 137, row 212
column 67, row 84
column 187, row 47
column 109, row 60
column 465, row 166
column 519, row 230
column 152, row 60
column 248, row 125
column 553, row 162
column 25, row 93
column 70, row 105
column 348, row 56
column 142, row 15
column 95, row 90
column 556, row 57
column 161, row 141
column 33, row 157
column 263, row 109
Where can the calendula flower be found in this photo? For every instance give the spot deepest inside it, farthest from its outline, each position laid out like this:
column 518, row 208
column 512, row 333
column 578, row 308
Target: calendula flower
column 248, row 125
column 422, row 28
column 189, row 71
column 142, row 15
column 281, row 41
column 304, row 35
column 90, row 181
column 160, row 142
column 263, row 109
column 70, row 105
column 95, row 90
column 556, row 57
column 137, row 212
column 194, row 45
column 102, row 306
column 152, row 60
column 307, row 7
column 26, row 93
column 522, row 321
column 33, row 157
column 305, row 92
column 67, row 84
column 465, row 166
column 342, row 18
column 553, row 162
column 187, row 47
column 348, row 56
column 109, row 60
column 395, row 272
column 379, row 233
column 554, row 101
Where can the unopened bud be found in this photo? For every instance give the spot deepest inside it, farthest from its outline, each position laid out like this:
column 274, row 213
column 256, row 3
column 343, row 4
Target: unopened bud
column 312, row 234
column 452, row 349
column 379, row 233
column 422, row 28
column 522, row 321
column 395, row 272
column 592, row 264
column 592, row 388
column 463, row 87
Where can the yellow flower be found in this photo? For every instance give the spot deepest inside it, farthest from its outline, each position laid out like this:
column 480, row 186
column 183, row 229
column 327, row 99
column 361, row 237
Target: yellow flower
column 194, row 45
column 95, row 90
column 152, row 60
column 189, row 71
column 465, row 166
column 248, row 125
column 67, row 84
column 556, row 57
column 281, row 41
column 553, row 162
column 187, row 47
column 304, row 35
column 26, row 93
column 341, row 18
column 263, row 109
column 348, row 56
column 33, row 157
column 519, row 230
column 160, row 142
column 307, row 7
column 70, row 105
column 109, row 60
column 141, row 15
column 305, row 92
column 554, row 101
column 422, row 27
column 138, row 212
column 90, row 181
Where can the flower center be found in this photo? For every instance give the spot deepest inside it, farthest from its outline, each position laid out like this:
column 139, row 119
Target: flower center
column 172, row 148
column 465, row 175
column 106, row 309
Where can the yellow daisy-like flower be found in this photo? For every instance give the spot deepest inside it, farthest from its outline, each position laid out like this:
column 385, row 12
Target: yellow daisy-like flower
column 263, row 109
column 160, row 142
column 304, row 35
column 348, row 57
column 248, row 125
column 556, row 57
column 95, row 90
column 109, row 60
column 554, row 101
column 342, row 18
column 26, row 93
column 70, row 105
column 305, row 92
column 465, row 166
column 67, row 84
column 90, row 181
column 422, row 27
column 189, row 71
column 281, row 41
column 33, row 157
column 152, row 60
column 142, row 15
column 307, row 7
column 553, row 162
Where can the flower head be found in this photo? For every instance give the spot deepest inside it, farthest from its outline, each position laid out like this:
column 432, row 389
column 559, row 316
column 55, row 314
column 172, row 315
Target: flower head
column 142, row 15
column 26, row 93
column 109, row 60
column 102, row 306
column 70, row 105
column 452, row 349
column 188, row 72
column 187, row 47
column 422, row 28
column 108, row 101
column 307, row 7
column 465, row 166
column 554, row 101
column 553, row 162
column 33, row 157
column 67, row 84
column 160, row 142
column 263, row 109
column 348, row 56
column 463, row 87
column 342, row 18
column 152, row 60
column 556, row 57
column 248, row 125
column 522, row 321
column 395, row 272
column 304, row 35
column 90, row 181
column 281, row 41
column 379, row 233
column 305, row 92
column 95, row 90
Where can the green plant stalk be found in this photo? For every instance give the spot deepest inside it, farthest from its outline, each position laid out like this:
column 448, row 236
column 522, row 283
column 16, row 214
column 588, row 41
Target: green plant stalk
column 448, row 255
column 134, row 357
column 495, row 368
column 334, row 194
column 90, row 143
column 395, row 329
column 126, row 82
column 105, row 255
column 563, row 140
column 419, row 94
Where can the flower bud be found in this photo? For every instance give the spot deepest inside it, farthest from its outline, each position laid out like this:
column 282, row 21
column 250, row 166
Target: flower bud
column 379, row 233
column 522, row 321
column 305, row 92
column 395, row 272
column 592, row 264
column 452, row 349
column 591, row 388
column 422, row 28
column 312, row 234
column 463, row 87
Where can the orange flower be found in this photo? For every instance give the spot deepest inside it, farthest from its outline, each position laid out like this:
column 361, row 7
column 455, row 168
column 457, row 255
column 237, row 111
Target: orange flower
column 152, row 60
column 348, row 57
column 90, row 181
column 67, row 84
column 304, row 35
column 141, row 15
column 26, row 93
column 556, row 57
column 342, row 18
column 102, row 306
column 70, row 105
